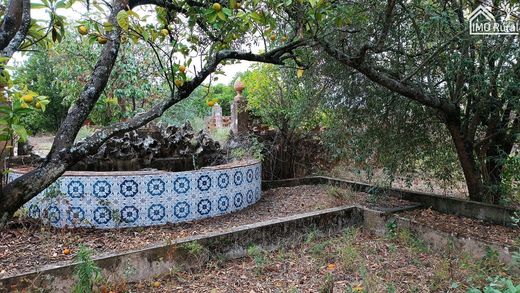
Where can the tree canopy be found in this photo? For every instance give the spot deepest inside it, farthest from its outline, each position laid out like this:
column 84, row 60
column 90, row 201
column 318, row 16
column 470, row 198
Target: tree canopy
column 404, row 70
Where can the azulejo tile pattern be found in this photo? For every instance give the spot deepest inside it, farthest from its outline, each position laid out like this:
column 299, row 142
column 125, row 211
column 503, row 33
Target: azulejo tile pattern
column 145, row 199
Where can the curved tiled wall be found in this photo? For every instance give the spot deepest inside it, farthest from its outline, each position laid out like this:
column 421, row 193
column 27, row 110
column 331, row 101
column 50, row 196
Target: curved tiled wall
column 133, row 199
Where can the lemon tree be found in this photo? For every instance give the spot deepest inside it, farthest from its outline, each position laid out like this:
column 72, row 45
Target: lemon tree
column 191, row 41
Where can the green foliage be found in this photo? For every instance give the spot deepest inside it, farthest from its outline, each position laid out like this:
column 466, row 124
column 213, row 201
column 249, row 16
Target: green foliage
column 386, row 126
column 391, row 229
column 253, row 150
column 39, row 73
column 193, row 247
column 258, row 256
column 497, row 285
column 131, row 89
column 510, row 184
column 339, row 193
column 283, row 100
column 87, row 272
column 328, row 284
column 195, row 107
column 16, row 101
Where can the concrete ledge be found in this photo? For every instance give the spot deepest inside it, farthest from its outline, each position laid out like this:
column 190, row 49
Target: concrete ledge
column 439, row 240
column 146, row 263
column 448, row 205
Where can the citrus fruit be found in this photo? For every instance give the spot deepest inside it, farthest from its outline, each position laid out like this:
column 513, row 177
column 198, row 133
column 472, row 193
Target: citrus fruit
column 83, row 30
column 27, row 98
column 102, row 40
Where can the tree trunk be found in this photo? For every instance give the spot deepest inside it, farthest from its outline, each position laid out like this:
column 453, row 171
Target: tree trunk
column 464, row 150
column 497, row 151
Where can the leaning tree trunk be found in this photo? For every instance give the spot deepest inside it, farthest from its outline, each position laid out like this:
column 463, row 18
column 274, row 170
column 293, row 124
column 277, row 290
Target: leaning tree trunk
column 464, row 149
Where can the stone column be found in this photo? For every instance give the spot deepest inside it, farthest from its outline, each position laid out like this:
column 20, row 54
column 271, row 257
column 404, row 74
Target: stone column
column 217, row 115
column 239, row 115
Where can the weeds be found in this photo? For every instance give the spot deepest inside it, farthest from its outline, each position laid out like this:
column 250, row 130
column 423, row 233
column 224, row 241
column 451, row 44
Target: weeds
column 312, row 235
column 258, row 256
column 406, row 237
column 348, row 253
column 442, row 276
column 391, row 229
column 87, row 272
column 349, row 256
column 318, row 249
column 497, row 285
column 328, row 284
column 390, row 288
column 193, row 248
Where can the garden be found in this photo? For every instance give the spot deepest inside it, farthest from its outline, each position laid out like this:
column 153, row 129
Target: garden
column 259, row 146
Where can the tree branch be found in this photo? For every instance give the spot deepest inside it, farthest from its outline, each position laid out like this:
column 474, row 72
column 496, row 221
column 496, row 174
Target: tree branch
column 80, row 110
column 29, row 185
column 20, row 35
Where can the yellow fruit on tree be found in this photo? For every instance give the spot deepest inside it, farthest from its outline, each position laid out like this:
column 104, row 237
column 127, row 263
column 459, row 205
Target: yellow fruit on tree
column 273, row 37
column 165, row 32
column 211, row 103
column 182, row 68
column 24, row 106
column 179, row 82
column 102, row 40
column 38, row 105
column 83, row 30
column 217, row 7
column 28, row 98
column 299, row 72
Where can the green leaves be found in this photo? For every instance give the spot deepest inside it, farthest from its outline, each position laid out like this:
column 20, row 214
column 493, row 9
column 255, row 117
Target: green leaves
column 122, row 19
column 38, row 6
column 20, row 131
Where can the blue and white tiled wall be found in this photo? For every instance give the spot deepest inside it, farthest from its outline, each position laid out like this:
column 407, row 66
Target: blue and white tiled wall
column 144, row 200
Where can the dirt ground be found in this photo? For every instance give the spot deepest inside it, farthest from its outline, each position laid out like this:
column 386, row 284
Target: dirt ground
column 27, row 244
column 42, row 144
column 465, row 226
column 355, row 261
